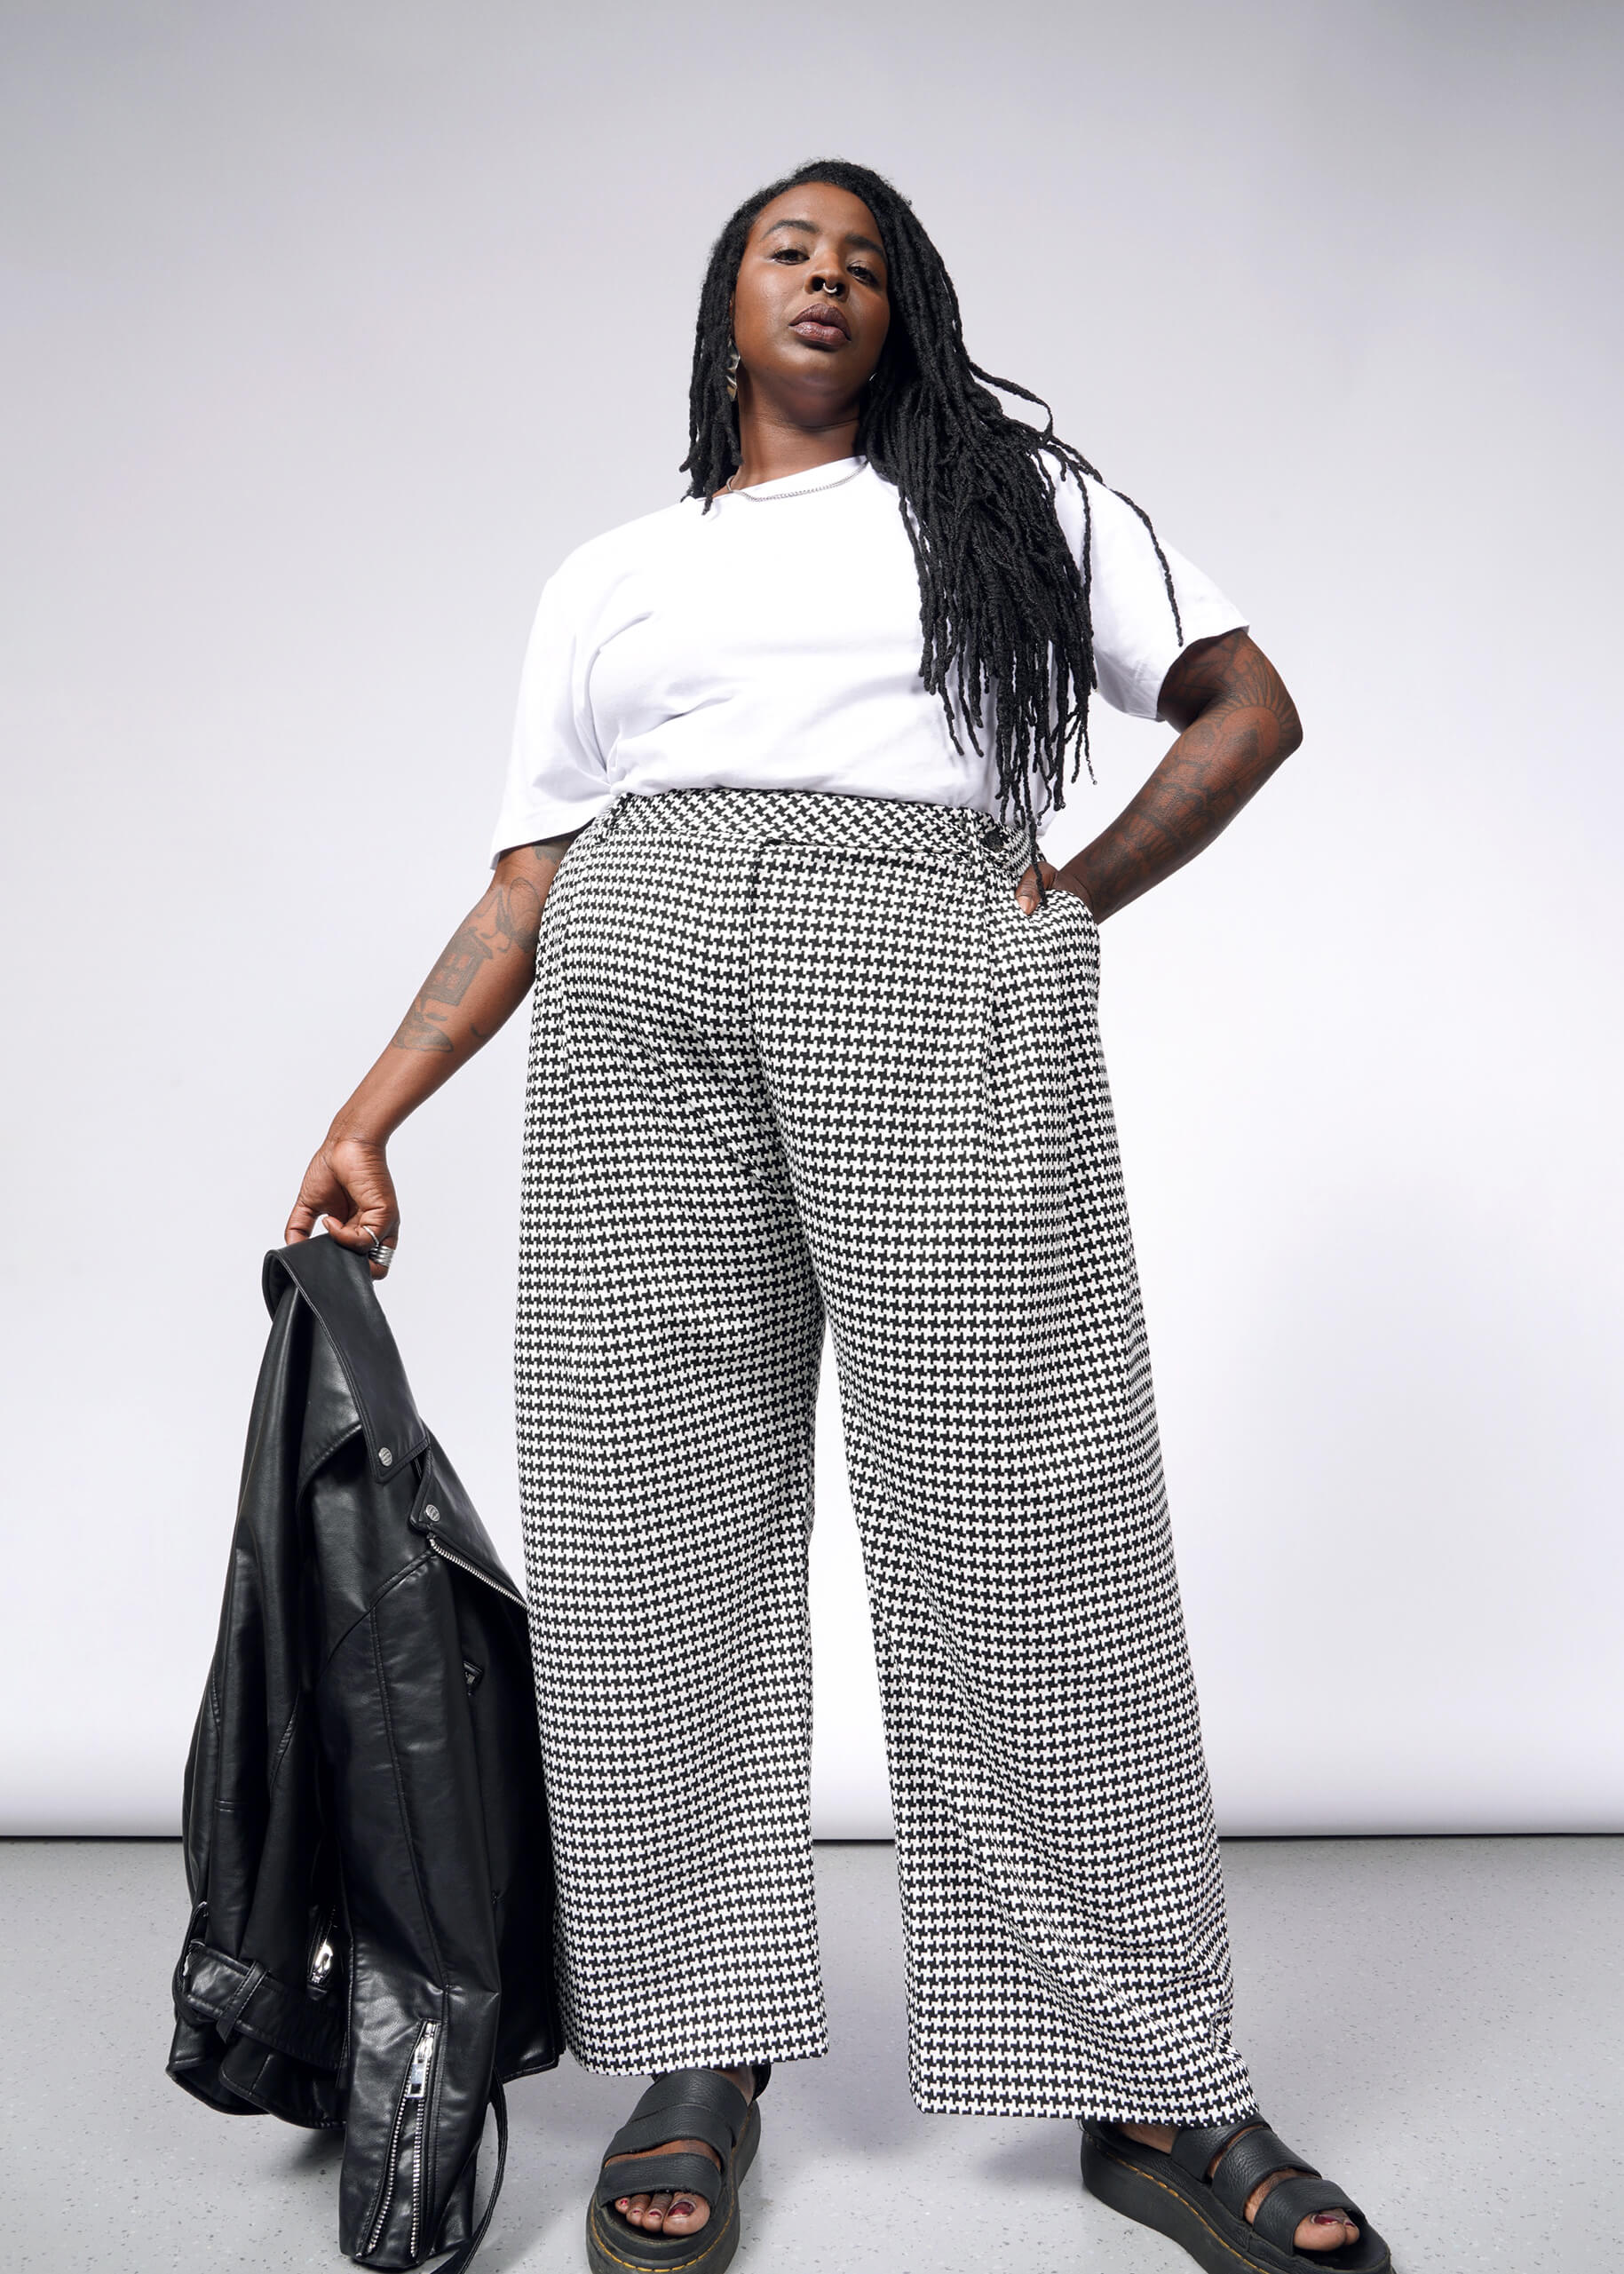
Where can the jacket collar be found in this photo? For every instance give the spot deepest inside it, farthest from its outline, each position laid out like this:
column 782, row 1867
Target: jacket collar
column 334, row 1281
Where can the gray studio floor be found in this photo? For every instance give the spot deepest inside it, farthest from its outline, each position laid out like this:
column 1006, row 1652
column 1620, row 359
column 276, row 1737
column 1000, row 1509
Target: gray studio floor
column 1439, row 2022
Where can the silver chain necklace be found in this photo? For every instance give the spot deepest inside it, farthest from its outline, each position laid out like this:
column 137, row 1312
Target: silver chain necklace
column 816, row 490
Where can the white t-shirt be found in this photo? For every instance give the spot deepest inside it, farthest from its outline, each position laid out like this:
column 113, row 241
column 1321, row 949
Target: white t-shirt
column 773, row 643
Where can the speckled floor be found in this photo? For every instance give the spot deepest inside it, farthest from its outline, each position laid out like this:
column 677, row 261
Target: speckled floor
column 1438, row 2022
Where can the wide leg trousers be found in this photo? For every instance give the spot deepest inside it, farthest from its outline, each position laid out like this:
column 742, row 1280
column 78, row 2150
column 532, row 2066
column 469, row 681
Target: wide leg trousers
column 798, row 1055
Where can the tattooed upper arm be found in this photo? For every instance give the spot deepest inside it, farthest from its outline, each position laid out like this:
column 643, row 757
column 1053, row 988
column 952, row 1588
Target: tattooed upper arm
column 1231, row 669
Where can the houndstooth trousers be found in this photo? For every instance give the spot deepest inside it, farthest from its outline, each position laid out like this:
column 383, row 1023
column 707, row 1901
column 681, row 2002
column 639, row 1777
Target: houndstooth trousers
column 795, row 1053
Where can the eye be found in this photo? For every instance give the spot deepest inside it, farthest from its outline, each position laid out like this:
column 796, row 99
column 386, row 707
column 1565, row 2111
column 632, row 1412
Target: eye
column 861, row 268
column 789, row 253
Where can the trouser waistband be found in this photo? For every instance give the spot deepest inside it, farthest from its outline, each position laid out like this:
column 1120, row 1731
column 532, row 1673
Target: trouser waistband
column 889, row 828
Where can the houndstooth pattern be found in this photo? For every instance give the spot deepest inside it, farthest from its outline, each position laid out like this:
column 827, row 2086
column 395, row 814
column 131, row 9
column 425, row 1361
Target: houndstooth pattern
column 793, row 1049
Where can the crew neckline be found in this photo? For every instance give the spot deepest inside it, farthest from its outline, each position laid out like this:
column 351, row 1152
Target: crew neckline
column 827, row 476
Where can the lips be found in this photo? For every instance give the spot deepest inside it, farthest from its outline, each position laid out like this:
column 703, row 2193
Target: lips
column 822, row 322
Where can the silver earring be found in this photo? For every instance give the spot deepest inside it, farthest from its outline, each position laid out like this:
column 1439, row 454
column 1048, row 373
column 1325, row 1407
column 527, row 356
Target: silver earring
column 733, row 372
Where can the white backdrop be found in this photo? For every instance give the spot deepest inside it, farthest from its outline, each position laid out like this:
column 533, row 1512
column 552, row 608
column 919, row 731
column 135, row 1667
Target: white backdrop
column 326, row 331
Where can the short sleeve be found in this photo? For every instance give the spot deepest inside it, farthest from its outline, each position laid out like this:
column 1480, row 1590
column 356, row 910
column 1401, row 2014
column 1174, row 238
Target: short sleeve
column 1136, row 639
column 556, row 779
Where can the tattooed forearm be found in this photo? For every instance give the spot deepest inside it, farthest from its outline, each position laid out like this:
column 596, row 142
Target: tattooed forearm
column 1239, row 725
column 460, row 959
column 491, row 955
column 463, row 955
column 417, row 1032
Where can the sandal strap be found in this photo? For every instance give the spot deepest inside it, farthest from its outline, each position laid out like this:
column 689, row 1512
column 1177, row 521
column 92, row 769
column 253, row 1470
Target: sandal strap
column 684, row 2105
column 1285, row 2206
column 1195, row 2145
column 1251, row 2157
column 677, row 2119
column 683, row 2171
column 707, row 2087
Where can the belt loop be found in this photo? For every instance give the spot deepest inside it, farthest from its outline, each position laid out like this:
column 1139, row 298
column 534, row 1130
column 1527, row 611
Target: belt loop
column 975, row 836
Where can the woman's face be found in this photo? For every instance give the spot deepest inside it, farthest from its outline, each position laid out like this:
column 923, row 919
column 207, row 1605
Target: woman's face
column 810, row 309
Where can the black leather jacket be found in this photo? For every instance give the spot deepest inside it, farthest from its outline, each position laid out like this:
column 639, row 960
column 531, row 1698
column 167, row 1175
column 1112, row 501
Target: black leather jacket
column 366, row 1843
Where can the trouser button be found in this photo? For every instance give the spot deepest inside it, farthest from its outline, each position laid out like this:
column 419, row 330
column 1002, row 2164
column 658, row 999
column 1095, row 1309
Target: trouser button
column 992, row 839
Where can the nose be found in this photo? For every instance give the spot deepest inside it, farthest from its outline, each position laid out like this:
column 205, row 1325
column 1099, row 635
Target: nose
column 834, row 286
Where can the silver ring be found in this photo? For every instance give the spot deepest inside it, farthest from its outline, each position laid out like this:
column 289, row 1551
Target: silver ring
column 380, row 1253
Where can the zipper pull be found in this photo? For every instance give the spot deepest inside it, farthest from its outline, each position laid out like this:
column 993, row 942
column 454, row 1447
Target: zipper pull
column 422, row 2053
column 321, row 1965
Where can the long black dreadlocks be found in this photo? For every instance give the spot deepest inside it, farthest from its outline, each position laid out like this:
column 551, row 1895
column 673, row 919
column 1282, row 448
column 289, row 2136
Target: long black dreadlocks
column 1003, row 606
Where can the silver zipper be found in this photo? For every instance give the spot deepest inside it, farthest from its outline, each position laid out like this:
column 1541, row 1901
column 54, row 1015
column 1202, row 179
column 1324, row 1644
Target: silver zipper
column 377, row 2235
column 321, row 1966
column 411, row 2098
column 422, row 2055
column 474, row 1572
column 417, row 2088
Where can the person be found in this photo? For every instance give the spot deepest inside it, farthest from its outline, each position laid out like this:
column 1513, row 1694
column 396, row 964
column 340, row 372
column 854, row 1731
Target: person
column 814, row 1038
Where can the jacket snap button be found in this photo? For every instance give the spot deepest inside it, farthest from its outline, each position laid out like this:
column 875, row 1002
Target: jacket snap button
column 991, row 839
column 430, row 1514
column 385, row 1457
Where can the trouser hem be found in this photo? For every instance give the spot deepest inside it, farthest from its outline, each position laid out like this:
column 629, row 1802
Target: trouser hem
column 660, row 2061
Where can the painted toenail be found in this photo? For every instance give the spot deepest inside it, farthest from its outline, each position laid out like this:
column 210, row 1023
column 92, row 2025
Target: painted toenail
column 686, row 2209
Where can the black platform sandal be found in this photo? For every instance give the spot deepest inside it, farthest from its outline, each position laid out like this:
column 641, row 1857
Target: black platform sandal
column 1172, row 2193
column 686, row 2105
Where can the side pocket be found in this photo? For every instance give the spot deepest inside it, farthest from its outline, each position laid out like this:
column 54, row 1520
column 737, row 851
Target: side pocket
column 1081, row 933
